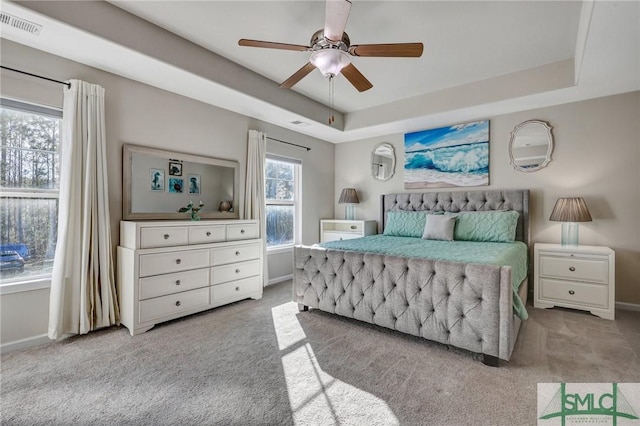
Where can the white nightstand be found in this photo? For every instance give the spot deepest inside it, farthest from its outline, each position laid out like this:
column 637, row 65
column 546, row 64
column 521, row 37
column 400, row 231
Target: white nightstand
column 578, row 277
column 334, row 229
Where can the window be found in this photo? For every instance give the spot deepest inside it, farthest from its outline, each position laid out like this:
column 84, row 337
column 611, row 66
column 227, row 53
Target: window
column 282, row 181
column 29, row 185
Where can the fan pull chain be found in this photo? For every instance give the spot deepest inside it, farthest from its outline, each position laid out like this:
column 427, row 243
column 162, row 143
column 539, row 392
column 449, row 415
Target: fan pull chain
column 331, row 96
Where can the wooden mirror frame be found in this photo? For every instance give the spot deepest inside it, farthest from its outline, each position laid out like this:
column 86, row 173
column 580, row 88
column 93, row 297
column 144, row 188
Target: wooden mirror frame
column 127, row 156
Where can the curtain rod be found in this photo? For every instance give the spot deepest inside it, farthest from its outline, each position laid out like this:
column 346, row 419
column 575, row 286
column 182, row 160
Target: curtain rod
column 35, row 75
column 289, row 143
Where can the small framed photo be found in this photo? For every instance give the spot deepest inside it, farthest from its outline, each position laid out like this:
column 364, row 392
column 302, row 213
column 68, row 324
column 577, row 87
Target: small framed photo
column 193, row 181
column 176, row 185
column 175, row 169
column 156, row 179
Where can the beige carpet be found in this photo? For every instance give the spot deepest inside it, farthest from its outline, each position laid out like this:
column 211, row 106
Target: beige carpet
column 263, row 362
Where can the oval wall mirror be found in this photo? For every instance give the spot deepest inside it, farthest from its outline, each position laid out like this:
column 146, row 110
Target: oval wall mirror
column 531, row 146
column 383, row 161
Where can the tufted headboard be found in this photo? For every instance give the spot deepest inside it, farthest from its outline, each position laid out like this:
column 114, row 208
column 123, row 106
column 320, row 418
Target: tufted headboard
column 498, row 199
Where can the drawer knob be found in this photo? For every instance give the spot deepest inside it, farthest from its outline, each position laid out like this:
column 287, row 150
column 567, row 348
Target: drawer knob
column 177, row 282
column 166, row 236
column 242, row 231
column 208, row 233
column 178, row 303
column 178, row 261
column 237, row 288
column 354, row 227
column 237, row 271
column 237, row 253
column 572, row 269
column 572, row 292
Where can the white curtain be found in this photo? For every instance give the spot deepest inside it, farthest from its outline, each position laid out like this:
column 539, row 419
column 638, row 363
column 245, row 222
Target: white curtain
column 254, row 201
column 83, row 295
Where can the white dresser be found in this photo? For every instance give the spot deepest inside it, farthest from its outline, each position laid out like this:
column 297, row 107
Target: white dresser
column 578, row 277
column 169, row 269
column 335, row 229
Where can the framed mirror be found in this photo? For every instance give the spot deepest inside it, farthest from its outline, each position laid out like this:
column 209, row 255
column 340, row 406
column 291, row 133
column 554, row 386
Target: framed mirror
column 531, row 146
column 383, row 161
column 156, row 183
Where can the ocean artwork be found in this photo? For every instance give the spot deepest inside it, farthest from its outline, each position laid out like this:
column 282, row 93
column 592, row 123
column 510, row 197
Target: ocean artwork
column 447, row 156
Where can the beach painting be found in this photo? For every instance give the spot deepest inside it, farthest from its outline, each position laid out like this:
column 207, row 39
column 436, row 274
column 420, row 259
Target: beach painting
column 449, row 156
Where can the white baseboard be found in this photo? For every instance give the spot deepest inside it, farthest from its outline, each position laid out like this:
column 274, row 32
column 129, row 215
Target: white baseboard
column 24, row 343
column 627, row 306
column 280, row 279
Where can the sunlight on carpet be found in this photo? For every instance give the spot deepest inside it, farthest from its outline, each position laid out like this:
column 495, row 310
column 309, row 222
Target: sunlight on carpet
column 314, row 396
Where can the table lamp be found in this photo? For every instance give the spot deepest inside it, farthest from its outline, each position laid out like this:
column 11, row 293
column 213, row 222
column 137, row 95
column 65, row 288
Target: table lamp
column 570, row 211
column 349, row 196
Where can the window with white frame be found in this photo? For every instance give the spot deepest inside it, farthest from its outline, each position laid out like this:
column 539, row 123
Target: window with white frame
column 282, row 194
column 29, row 186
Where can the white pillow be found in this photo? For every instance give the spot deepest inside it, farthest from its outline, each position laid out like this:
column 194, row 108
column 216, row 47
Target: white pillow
column 439, row 227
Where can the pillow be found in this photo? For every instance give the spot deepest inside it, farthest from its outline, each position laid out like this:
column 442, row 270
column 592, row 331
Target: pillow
column 405, row 224
column 492, row 226
column 439, row 227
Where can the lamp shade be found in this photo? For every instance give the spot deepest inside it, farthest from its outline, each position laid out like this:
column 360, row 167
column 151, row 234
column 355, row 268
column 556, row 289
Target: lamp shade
column 570, row 210
column 348, row 196
column 329, row 61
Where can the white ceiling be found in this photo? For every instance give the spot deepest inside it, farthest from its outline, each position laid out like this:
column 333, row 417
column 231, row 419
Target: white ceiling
column 481, row 58
column 464, row 41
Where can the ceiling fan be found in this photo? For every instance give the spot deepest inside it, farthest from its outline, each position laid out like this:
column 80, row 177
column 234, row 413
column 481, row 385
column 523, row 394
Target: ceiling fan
column 331, row 49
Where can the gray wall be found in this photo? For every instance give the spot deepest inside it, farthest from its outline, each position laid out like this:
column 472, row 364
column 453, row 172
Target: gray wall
column 596, row 156
column 143, row 115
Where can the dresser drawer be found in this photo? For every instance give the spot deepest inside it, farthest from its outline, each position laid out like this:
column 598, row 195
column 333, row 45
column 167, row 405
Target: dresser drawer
column 159, row 307
column 221, row 256
column 235, row 289
column 593, row 269
column 207, row 234
column 162, row 263
column 572, row 292
column 161, row 285
column 234, row 271
column 245, row 231
column 163, row 236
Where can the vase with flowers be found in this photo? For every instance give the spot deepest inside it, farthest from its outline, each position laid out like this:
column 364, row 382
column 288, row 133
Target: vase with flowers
column 192, row 210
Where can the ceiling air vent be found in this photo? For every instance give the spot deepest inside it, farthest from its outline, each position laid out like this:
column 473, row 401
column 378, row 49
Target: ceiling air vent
column 19, row 23
column 300, row 123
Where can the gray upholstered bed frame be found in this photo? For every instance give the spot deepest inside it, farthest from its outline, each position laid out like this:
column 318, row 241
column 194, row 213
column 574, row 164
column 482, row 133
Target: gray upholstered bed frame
column 465, row 305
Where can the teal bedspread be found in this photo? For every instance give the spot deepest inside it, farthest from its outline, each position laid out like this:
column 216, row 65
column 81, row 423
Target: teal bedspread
column 504, row 254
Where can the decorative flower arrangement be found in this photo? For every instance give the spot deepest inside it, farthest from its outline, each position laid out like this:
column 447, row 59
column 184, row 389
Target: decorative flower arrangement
column 192, row 210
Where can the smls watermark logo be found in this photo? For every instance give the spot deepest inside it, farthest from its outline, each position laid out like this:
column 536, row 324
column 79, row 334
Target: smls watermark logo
column 588, row 403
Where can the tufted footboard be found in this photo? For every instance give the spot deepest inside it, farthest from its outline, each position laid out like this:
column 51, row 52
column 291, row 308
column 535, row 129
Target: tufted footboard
column 460, row 304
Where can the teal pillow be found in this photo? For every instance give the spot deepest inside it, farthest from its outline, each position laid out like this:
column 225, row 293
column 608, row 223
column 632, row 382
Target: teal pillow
column 405, row 224
column 499, row 227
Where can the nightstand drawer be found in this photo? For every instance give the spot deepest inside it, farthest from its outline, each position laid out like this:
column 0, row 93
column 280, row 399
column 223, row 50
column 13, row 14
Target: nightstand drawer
column 338, row 236
column 572, row 292
column 593, row 269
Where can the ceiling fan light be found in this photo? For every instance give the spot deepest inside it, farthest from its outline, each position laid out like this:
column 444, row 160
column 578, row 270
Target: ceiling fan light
column 330, row 61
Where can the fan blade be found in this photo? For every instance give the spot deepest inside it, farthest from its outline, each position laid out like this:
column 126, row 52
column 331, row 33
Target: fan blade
column 393, row 50
column 335, row 18
column 272, row 45
column 356, row 78
column 297, row 76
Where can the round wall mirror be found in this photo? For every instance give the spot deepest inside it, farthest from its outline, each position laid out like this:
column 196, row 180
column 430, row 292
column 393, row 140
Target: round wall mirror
column 531, row 146
column 383, row 161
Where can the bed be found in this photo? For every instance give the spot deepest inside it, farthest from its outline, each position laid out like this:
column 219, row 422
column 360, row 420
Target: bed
column 462, row 302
